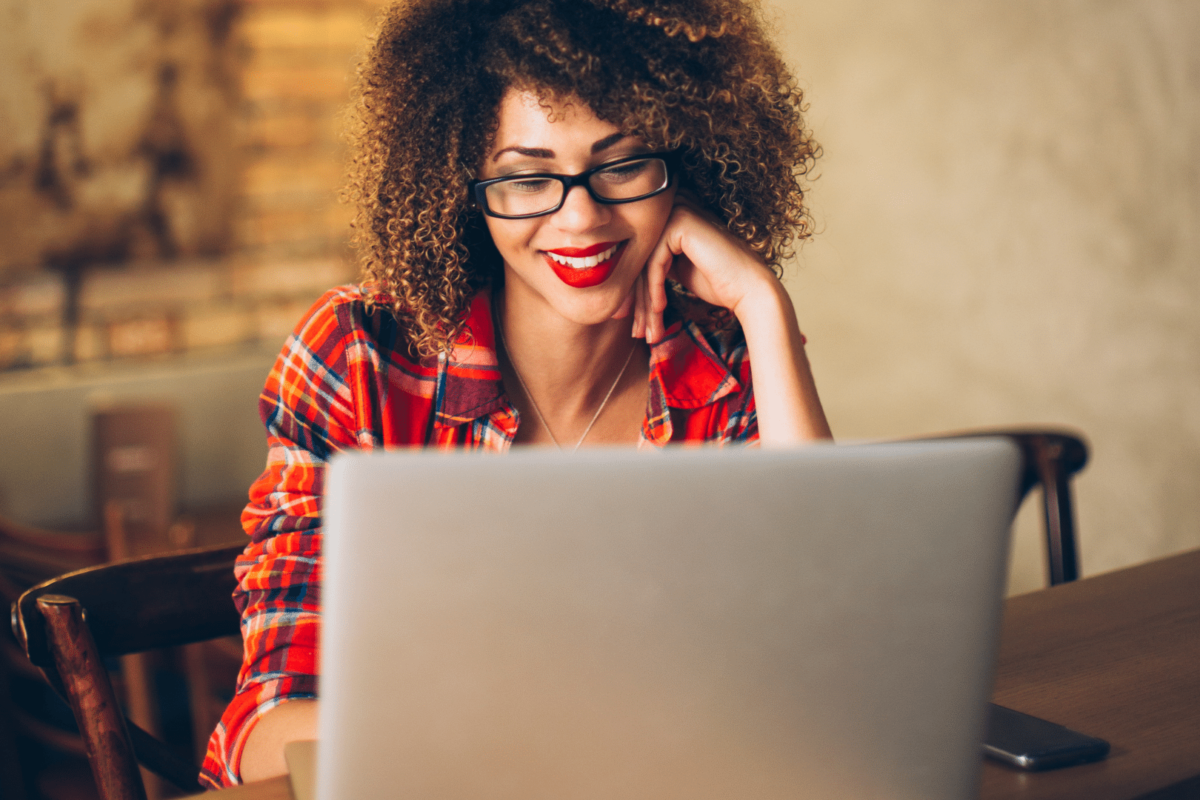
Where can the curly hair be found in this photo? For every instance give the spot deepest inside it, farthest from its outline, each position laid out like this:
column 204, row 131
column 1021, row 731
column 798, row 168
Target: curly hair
column 700, row 75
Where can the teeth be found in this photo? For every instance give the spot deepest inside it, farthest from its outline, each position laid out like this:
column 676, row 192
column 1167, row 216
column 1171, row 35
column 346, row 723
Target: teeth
column 584, row 263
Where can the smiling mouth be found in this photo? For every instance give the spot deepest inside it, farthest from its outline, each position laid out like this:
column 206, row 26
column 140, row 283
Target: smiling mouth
column 585, row 267
column 584, row 262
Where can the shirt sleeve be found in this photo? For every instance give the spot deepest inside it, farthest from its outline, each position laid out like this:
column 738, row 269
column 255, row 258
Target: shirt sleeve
column 741, row 414
column 741, row 426
column 309, row 414
column 734, row 418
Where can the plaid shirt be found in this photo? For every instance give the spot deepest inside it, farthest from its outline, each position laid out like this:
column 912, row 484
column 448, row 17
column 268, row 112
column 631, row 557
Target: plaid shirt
column 346, row 379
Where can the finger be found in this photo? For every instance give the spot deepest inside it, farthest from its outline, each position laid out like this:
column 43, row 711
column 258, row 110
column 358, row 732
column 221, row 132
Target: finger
column 648, row 315
column 639, row 307
column 683, row 270
column 658, row 267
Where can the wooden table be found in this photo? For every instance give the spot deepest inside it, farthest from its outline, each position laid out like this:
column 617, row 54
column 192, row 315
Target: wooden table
column 1115, row 656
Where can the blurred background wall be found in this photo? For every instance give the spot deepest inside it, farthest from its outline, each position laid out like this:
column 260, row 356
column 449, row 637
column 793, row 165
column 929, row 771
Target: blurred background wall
column 168, row 170
column 168, row 180
column 1007, row 213
column 1009, row 233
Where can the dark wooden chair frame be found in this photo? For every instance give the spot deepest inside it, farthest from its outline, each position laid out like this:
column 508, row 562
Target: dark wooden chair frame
column 30, row 555
column 69, row 624
column 1051, row 458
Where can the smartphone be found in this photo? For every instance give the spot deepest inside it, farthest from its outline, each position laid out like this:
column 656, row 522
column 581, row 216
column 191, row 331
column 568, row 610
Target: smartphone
column 1033, row 743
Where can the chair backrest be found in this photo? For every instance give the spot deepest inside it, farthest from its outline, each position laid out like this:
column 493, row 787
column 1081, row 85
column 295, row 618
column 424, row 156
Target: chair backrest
column 1052, row 457
column 29, row 555
column 69, row 624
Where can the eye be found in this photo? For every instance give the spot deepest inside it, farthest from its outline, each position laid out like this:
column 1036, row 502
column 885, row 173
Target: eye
column 527, row 185
column 621, row 173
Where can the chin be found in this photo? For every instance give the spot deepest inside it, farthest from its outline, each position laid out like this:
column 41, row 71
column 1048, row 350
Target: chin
column 590, row 311
column 582, row 305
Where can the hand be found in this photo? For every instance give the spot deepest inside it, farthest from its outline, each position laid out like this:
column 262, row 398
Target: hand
column 697, row 251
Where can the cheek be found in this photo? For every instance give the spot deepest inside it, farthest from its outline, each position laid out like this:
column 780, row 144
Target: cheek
column 652, row 220
column 509, row 236
column 496, row 229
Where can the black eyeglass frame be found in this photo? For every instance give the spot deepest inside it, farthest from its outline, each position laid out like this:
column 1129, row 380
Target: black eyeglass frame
column 670, row 159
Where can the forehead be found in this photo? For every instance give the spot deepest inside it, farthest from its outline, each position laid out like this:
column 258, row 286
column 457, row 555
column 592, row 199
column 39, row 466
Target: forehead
column 527, row 120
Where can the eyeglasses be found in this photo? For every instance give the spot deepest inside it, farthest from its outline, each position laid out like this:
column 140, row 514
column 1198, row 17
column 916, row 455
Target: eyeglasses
column 625, row 180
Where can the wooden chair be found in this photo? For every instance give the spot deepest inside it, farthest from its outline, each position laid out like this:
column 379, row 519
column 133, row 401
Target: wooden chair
column 1051, row 458
column 69, row 624
column 29, row 555
column 134, row 458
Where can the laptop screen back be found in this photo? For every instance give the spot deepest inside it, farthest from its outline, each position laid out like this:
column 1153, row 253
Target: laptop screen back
column 693, row 624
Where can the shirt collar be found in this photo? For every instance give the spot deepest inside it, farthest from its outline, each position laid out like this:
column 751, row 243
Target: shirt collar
column 469, row 385
column 685, row 373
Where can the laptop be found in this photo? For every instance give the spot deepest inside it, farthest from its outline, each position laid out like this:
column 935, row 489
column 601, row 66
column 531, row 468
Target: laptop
column 694, row 623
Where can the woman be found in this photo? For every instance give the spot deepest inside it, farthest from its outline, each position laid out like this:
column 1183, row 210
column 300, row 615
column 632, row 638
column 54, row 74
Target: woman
column 571, row 215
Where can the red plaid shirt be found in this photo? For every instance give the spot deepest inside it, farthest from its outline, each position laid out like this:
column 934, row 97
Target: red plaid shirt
column 346, row 379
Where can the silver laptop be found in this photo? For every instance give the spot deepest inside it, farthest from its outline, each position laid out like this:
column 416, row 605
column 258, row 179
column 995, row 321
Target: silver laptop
column 695, row 624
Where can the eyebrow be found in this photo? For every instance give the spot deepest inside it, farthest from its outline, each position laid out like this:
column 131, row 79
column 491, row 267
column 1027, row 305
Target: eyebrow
column 539, row 152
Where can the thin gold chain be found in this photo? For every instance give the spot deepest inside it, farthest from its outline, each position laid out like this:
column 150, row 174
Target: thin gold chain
column 500, row 331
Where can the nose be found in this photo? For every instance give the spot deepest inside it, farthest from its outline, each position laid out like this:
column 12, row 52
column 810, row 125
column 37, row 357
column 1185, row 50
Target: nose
column 580, row 212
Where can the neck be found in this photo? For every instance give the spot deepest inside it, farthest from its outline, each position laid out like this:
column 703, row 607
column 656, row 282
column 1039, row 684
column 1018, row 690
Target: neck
column 566, row 365
column 559, row 373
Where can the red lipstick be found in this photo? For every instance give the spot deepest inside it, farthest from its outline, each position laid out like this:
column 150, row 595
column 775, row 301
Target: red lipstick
column 583, row 252
column 582, row 277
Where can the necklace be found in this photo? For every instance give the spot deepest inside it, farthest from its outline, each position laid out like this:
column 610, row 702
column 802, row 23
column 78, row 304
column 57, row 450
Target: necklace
column 532, row 402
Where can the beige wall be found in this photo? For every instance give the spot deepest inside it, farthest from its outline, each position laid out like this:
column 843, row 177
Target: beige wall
column 1010, row 229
